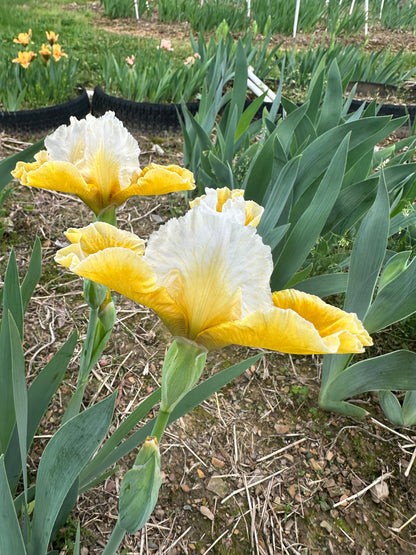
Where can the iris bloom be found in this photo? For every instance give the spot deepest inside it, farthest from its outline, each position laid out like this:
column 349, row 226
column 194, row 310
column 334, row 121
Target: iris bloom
column 52, row 37
column 24, row 38
column 130, row 60
column 207, row 275
column 57, row 52
column 98, row 160
column 190, row 60
column 165, row 44
column 45, row 52
column 24, row 58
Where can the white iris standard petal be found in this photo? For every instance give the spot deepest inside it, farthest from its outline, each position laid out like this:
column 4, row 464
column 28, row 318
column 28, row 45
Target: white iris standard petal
column 67, row 143
column 100, row 148
column 111, row 152
column 215, row 269
column 234, row 209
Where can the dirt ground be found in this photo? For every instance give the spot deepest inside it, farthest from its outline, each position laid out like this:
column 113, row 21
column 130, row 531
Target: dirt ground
column 257, row 468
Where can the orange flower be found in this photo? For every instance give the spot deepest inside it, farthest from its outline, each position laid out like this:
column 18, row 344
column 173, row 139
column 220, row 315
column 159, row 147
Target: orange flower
column 24, row 38
column 57, row 52
column 24, row 58
column 45, row 52
column 52, row 37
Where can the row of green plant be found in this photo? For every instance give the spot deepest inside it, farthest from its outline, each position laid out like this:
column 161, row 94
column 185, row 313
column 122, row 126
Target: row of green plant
column 380, row 66
column 337, row 17
column 32, row 81
column 321, row 180
column 155, row 76
column 152, row 73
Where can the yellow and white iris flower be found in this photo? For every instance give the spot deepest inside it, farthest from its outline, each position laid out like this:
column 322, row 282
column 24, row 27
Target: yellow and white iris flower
column 207, row 275
column 97, row 159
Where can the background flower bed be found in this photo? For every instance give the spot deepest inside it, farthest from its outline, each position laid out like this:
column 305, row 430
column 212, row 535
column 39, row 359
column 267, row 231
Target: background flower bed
column 269, row 409
column 90, row 38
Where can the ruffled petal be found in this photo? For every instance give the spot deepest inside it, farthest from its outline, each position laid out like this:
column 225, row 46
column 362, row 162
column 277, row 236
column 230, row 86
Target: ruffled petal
column 62, row 177
column 327, row 319
column 300, row 324
column 157, row 180
column 214, row 268
column 100, row 235
column 127, row 273
column 277, row 330
column 104, row 254
column 23, row 168
column 231, row 203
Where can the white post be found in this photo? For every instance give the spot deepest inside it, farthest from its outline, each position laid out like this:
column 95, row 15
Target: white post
column 352, row 6
column 248, row 8
column 136, row 9
column 381, row 8
column 366, row 18
column 295, row 23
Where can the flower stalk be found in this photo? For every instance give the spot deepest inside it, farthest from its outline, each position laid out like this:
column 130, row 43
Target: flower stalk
column 100, row 324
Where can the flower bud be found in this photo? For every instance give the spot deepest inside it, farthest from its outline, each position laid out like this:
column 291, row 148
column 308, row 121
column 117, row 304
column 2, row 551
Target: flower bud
column 140, row 487
column 107, row 314
column 182, row 368
column 395, row 266
column 94, row 293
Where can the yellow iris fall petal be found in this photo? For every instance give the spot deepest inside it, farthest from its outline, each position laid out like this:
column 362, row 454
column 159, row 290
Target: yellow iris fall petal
column 207, row 275
column 98, row 160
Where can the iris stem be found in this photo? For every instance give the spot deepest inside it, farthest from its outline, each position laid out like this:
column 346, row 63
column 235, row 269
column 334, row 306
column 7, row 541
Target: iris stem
column 115, row 540
column 84, row 367
column 160, row 424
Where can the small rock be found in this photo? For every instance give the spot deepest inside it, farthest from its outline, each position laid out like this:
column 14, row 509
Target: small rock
column 289, row 525
column 292, row 491
column 158, row 150
column 326, row 526
column 217, row 462
column 200, row 473
column 217, row 486
column 329, row 456
column 379, row 492
column 206, row 512
column 281, row 428
column 315, row 465
column 342, row 500
column 330, row 483
column 185, row 488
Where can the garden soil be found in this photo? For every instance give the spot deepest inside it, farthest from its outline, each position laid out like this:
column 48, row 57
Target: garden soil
column 257, row 468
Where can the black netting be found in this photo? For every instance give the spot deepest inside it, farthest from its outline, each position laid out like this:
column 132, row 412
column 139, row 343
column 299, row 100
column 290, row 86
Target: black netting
column 45, row 119
column 140, row 116
column 395, row 110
